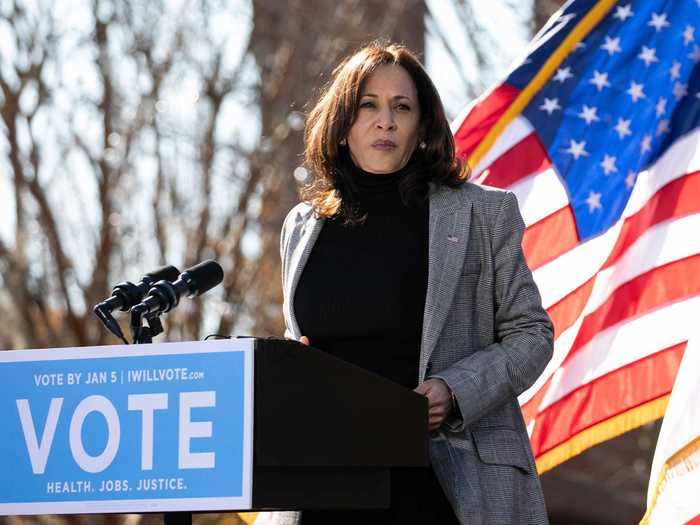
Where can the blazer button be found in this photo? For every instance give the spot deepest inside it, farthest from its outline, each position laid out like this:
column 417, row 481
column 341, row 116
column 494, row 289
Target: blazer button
column 429, row 367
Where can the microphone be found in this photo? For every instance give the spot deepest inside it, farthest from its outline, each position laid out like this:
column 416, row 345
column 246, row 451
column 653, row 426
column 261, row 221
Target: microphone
column 127, row 294
column 164, row 295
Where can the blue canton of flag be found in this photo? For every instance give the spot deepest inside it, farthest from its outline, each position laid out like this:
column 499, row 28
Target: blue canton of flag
column 628, row 90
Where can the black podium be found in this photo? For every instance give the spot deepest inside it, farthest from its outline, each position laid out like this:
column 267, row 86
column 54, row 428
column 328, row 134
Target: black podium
column 327, row 433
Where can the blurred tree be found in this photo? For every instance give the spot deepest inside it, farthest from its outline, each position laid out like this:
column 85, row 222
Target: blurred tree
column 153, row 132
column 120, row 155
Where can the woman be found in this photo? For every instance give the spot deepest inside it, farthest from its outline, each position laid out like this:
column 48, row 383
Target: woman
column 395, row 263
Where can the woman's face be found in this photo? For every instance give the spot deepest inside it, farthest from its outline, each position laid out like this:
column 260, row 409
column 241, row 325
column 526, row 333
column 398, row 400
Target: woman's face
column 385, row 133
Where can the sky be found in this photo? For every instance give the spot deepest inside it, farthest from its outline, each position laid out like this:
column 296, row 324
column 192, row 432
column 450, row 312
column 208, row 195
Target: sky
column 506, row 25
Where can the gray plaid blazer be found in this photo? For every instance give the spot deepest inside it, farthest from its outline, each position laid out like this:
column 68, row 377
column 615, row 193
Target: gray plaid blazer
column 485, row 334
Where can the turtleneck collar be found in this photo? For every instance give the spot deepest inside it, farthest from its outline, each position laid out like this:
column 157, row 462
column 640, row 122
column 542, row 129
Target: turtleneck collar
column 368, row 183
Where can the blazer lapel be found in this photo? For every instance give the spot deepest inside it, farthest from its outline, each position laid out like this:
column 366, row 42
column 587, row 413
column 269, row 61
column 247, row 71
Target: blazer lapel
column 450, row 217
column 309, row 233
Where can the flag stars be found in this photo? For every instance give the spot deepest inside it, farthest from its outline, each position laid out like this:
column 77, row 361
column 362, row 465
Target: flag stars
column 694, row 55
column 680, row 90
column 593, row 201
column 577, row 149
column 600, row 80
column 675, row 71
column 563, row 73
column 623, row 128
column 550, row 105
column 663, row 127
column 612, row 45
column 658, row 21
column 648, row 55
column 636, row 91
column 688, row 35
column 661, row 106
column 623, row 12
column 630, row 179
column 645, row 145
column 589, row 114
column 608, row 164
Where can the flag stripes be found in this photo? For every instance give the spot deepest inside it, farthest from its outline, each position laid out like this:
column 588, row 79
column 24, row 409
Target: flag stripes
column 607, row 396
column 622, row 300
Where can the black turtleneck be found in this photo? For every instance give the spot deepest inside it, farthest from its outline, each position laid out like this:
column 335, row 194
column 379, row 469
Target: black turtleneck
column 361, row 298
column 362, row 292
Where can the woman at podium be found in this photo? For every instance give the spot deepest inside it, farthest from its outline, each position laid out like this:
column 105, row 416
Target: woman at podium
column 395, row 262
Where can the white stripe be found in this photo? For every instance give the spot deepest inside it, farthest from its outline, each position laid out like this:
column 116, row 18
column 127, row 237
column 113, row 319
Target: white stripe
column 516, row 131
column 527, row 190
column 562, row 345
column 570, row 270
column 661, row 244
column 681, row 158
column 623, row 344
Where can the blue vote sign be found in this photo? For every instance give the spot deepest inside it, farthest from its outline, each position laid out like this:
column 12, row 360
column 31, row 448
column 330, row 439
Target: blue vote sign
column 140, row 428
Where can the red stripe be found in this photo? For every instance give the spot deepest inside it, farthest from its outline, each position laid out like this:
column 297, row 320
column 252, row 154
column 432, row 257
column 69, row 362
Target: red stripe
column 605, row 397
column 657, row 287
column 522, row 160
column 482, row 117
column 565, row 312
column 556, row 234
column 530, row 408
column 678, row 198
column 548, row 238
column 694, row 521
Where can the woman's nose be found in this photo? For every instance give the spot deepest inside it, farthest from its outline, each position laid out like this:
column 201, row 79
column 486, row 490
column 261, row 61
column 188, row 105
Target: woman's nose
column 385, row 119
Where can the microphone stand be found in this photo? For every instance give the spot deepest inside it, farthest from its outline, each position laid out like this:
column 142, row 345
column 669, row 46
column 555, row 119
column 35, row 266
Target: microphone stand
column 144, row 335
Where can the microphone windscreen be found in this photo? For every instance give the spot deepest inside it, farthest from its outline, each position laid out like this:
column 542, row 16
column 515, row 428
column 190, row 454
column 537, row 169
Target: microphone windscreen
column 204, row 276
column 167, row 273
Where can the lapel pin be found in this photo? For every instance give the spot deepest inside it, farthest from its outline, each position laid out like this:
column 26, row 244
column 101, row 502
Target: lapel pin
column 452, row 239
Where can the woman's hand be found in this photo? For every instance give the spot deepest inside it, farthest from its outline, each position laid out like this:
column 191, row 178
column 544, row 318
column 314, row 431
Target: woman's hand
column 304, row 340
column 439, row 401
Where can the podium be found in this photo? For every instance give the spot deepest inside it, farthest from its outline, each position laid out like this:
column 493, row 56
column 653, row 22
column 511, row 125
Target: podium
column 327, row 433
column 224, row 425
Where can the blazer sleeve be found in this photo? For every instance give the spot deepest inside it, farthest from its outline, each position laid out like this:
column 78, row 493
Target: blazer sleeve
column 489, row 377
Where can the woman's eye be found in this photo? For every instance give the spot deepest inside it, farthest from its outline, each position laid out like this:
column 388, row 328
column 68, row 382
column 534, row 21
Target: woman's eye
column 404, row 107
column 367, row 104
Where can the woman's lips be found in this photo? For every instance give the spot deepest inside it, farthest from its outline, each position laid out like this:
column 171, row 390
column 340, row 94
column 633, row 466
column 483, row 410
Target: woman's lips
column 384, row 145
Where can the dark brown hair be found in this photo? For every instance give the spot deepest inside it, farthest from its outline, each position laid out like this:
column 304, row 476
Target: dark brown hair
column 331, row 190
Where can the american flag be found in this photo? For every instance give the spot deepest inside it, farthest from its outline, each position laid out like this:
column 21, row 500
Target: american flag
column 675, row 472
column 596, row 133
